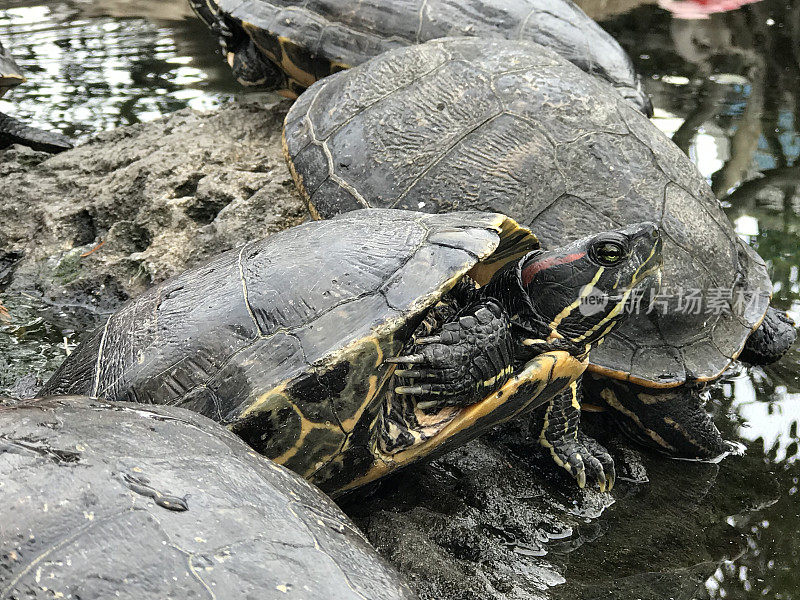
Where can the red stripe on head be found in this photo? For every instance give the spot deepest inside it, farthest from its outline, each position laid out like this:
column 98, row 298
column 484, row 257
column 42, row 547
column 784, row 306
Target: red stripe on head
column 531, row 270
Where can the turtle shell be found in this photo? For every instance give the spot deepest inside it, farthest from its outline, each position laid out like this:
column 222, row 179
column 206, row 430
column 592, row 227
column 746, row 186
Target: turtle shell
column 104, row 501
column 10, row 74
column 284, row 339
column 514, row 128
column 312, row 39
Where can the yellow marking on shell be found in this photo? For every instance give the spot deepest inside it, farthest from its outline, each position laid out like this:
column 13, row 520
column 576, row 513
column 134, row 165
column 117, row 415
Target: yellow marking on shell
column 259, row 403
column 627, row 376
column 512, row 234
column 376, row 386
column 306, row 427
column 277, row 396
column 379, row 360
column 293, row 71
column 543, row 369
column 585, row 291
column 611, row 398
column 372, row 391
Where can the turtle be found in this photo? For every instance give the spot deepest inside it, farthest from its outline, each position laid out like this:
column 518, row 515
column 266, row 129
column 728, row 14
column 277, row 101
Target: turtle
column 287, row 45
column 104, row 500
column 12, row 131
column 512, row 127
column 345, row 349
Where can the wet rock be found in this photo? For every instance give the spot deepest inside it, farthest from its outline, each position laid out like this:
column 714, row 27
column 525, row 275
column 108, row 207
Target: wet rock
column 489, row 520
column 133, row 206
column 495, row 519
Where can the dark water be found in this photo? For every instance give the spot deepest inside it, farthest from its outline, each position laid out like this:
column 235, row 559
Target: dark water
column 725, row 88
column 93, row 66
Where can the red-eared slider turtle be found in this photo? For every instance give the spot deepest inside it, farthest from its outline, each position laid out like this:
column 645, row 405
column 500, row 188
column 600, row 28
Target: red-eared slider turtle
column 13, row 131
column 512, row 127
column 288, row 45
column 126, row 501
column 293, row 341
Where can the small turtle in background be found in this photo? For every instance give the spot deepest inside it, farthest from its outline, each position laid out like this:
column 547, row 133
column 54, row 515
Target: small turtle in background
column 512, row 127
column 294, row 341
column 120, row 500
column 13, row 131
column 287, row 46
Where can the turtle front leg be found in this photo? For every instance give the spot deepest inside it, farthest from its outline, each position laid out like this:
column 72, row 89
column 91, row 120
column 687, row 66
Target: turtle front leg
column 672, row 421
column 581, row 456
column 464, row 360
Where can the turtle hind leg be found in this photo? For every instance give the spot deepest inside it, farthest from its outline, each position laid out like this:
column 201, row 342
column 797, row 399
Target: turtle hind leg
column 459, row 362
column 13, row 131
column 252, row 68
column 581, row 456
column 249, row 65
column 771, row 340
column 671, row 421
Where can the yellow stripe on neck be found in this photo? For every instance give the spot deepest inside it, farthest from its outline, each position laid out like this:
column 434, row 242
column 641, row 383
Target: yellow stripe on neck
column 587, row 289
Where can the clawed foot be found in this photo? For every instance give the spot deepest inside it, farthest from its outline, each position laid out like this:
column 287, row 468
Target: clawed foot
column 584, row 459
column 469, row 358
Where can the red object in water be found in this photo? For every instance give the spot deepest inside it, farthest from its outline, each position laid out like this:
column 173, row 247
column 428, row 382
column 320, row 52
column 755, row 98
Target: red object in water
column 701, row 9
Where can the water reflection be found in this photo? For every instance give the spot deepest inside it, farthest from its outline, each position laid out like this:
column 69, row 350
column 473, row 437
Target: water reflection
column 727, row 89
column 92, row 67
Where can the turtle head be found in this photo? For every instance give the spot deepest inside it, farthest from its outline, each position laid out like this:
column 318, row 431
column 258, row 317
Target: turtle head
column 576, row 294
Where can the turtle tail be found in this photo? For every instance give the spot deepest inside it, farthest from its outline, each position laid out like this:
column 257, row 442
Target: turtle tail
column 771, row 340
column 13, row 131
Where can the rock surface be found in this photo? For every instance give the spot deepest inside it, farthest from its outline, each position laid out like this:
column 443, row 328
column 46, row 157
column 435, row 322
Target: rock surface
column 165, row 195
column 159, row 197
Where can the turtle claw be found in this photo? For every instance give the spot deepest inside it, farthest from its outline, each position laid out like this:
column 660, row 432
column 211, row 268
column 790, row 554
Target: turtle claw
column 586, row 460
column 431, row 339
column 417, row 390
column 580, row 477
column 603, row 464
column 411, row 359
column 412, row 373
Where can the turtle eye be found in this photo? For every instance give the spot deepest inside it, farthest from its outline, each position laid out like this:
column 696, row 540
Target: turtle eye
column 608, row 253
